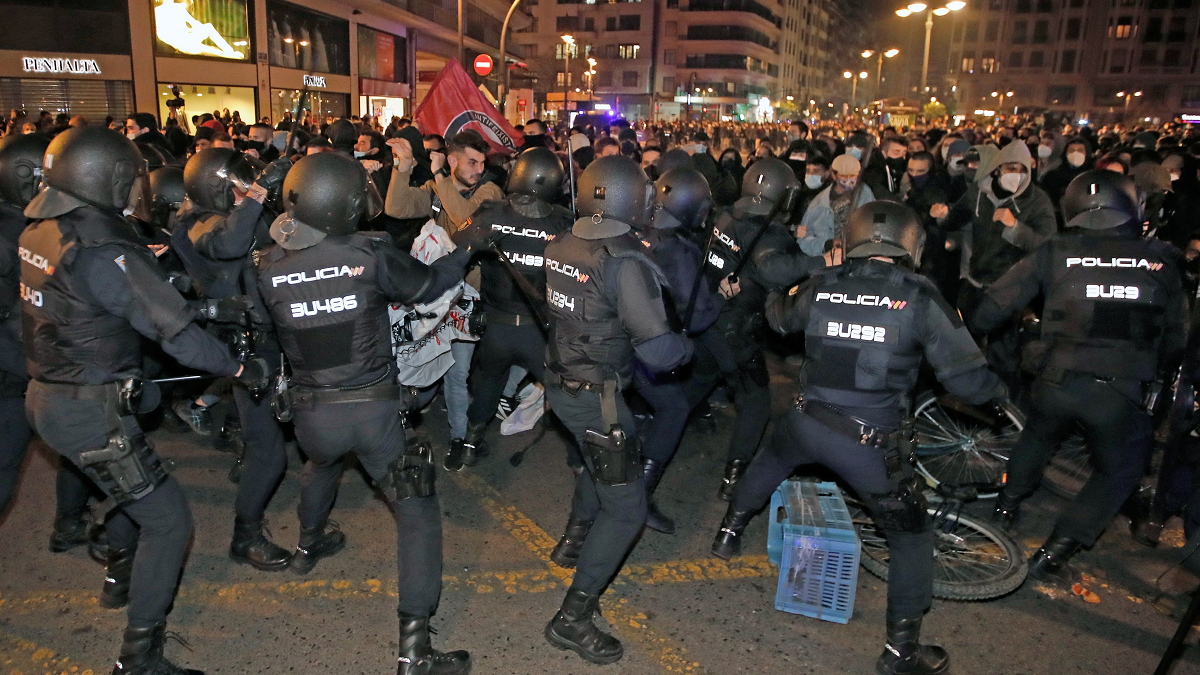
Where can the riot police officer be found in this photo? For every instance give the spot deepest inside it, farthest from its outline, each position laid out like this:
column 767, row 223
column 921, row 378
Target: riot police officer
column 606, row 307
column 327, row 289
column 216, row 234
column 867, row 324
column 682, row 203
column 521, row 226
column 20, row 178
column 90, row 291
column 1113, row 322
column 750, row 254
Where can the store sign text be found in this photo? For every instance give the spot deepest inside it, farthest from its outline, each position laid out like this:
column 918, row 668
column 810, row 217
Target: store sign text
column 75, row 66
column 314, row 81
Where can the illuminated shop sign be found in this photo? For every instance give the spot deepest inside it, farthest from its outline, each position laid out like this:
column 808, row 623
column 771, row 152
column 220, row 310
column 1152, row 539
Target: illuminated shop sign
column 74, row 66
column 314, row 81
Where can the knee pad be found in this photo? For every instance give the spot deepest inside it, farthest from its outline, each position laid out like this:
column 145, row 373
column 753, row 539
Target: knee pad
column 127, row 468
column 902, row 509
column 410, row 475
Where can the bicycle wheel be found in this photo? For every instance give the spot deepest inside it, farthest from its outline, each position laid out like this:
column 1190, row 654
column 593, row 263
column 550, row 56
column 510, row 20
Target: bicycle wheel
column 972, row 560
column 957, row 444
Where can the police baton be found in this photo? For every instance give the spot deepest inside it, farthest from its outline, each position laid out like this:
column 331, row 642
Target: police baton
column 526, row 288
column 184, row 378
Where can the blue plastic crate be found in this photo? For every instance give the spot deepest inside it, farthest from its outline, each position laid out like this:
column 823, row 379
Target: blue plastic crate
column 812, row 539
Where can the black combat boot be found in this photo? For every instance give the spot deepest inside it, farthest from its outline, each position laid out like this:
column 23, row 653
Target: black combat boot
column 905, row 655
column 572, row 628
column 566, row 552
column 315, row 543
column 454, row 456
column 70, row 530
column 251, row 546
column 1007, row 511
column 729, row 537
column 734, row 469
column 652, row 472
column 475, row 447
column 417, row 655
column 142, row 654
column 1050, row 563
column 117, row 576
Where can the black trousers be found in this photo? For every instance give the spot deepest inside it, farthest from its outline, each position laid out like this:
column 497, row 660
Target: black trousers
column 800, row 440
column 618, row 512
column 1116, row 429
column 669, row 399
column 501, row 347
column 161, row 521
column 266, row 455
column 372, row 431
column 741, row 362
column 13, row 441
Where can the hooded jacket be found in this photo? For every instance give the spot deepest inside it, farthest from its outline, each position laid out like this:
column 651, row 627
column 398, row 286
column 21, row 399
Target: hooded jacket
column 1056, row 179
column 995, row 247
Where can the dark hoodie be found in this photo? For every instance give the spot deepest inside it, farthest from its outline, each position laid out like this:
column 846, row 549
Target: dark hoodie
column 994, row 247
column 1055, row 181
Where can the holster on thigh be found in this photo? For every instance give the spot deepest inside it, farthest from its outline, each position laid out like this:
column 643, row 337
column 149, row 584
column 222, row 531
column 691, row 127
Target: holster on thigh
column 410, row 475
column 903, row 509
column 127, row 468
column 616, row 459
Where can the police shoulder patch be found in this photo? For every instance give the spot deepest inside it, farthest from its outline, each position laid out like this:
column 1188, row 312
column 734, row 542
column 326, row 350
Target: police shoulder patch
column 120, row 260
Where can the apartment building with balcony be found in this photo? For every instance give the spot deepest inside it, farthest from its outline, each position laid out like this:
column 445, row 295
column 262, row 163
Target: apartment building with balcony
column 1103, row 60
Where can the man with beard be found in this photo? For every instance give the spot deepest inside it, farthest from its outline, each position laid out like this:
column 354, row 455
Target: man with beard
column 456, row 190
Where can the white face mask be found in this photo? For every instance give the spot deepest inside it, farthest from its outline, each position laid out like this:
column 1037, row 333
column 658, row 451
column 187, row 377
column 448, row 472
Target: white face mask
column 1076, row 158
column 1010, row 181
column 358, row 153
column 1044, row 151
column 813, row 181
column 132, row 135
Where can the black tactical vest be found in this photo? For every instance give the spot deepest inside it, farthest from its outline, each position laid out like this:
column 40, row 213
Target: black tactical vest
column 1105, row 305
column 213, row 278
column 734, row 238
column 67, row 335
column 524, row 240
column 12, row 223
column 328, row 309
column 861, row 340
column 587, row 341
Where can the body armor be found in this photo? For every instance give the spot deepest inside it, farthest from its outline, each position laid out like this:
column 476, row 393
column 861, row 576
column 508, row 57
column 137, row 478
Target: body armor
column 587, row 343
column 524, row 240
column 1105, row 306
column 328, row 309
column 69, row 338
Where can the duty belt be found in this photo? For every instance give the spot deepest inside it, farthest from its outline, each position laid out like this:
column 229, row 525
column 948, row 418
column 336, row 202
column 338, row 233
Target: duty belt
column 851, row 427
column 307, row 399
column 509, row 319
column 80, row 392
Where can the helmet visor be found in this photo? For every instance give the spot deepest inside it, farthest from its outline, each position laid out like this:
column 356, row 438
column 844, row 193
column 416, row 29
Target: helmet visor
column 141, row 198
column 374, row 205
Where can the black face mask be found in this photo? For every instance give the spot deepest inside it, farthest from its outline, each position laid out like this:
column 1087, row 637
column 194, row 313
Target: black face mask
column 919, row 181
column 896, row 163
column 652, row 172
column 535, row 140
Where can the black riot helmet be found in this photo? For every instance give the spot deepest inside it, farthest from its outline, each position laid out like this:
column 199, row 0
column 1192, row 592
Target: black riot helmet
column 769, row 186
column 342, row 135
column 90, row 166
column 615, row 187
column 211, row 175
column 1100, row 199
column 537, row 173
column 167, row 191
column 21, row 167
column 885, row 228
column 326, row 191
column 684, row 196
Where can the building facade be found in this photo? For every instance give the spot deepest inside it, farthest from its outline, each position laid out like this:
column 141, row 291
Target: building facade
column 254, row 57
column 1100, row 60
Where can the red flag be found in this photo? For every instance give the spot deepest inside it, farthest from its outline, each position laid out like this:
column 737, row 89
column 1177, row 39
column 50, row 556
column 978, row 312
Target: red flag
column 454, row 104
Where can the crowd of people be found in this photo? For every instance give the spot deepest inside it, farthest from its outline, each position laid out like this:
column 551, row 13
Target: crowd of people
column 336, row 275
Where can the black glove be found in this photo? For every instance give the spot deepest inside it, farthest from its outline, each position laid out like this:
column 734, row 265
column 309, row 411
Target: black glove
column 255, row 375
column 272, row 176
column 226, row 310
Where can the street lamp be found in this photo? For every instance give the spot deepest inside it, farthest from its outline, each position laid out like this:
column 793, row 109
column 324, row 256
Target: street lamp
column 569, row 41
column 1127, row 96
column 591, row 73
column 1001, row 97
column 868, row 53
column 917, row 8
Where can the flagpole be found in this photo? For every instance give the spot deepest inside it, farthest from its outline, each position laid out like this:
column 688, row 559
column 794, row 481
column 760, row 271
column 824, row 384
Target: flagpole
column 461, row 49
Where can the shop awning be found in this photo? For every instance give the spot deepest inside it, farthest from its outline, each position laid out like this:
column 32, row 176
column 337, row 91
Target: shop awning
column 369, row 87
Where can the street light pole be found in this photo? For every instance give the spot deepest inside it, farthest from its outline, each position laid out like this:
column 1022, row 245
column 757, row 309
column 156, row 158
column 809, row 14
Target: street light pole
column 925, row 61
column 504, row 57
column 569, row 41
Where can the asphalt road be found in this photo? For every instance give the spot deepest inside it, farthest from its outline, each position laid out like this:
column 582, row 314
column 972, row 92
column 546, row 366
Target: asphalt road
column 675, row 608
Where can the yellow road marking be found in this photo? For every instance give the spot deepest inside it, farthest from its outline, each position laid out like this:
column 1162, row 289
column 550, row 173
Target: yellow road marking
column 22, row 657
column 629, row 622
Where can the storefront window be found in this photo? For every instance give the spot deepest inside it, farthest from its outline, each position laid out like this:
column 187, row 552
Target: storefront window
column 203, row 98
column 382, row 107
column 306, row 40
column 320, row 104
column 381, row 56
column 94, row 99
column 212, row 28
column 92, row 27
